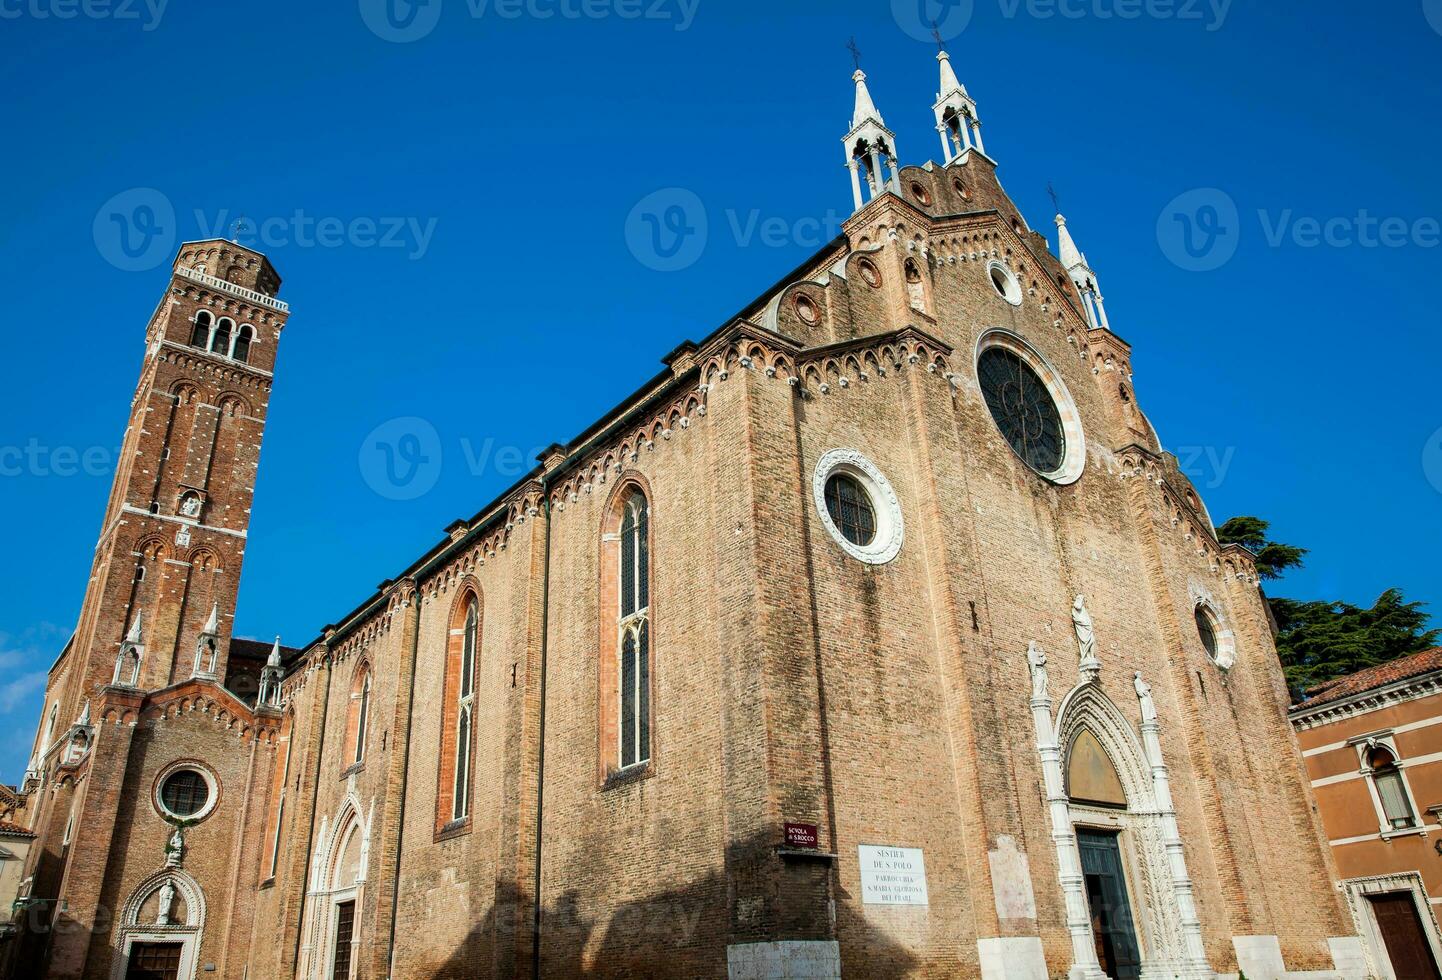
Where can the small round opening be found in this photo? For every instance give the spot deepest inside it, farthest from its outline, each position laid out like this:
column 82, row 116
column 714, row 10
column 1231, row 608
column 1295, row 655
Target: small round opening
column 184, row 793
column 961, row 189
column 870, row 273
column 1005, row 283
column 921, row 194
column 851, row 509
column 806, row 309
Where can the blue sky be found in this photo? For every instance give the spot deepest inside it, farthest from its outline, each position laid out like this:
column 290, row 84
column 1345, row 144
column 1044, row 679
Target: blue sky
column 457, row 197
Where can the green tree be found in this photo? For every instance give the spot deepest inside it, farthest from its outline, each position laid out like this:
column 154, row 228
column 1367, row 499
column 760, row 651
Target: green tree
column 1273, row 558
column 1320, row 640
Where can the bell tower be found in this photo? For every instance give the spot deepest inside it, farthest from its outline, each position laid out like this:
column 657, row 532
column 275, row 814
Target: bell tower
column 870, row 146
column 160, row 601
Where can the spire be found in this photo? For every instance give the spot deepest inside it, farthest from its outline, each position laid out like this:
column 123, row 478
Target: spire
column 949, row 81
column 870, row 146
column 212, row 623
column 956, row 117
column 84, row 719
column 1075, row 263
column 134, row 635
column 1067, row 251
column 274, row 659
column 865, row 108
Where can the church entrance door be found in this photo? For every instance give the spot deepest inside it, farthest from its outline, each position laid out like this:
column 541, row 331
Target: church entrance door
column 1111, row 912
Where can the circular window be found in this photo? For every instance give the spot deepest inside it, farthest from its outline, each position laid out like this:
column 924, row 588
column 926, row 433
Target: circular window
column 961, row 189
column 1207, row 632
column 806, row 309
column 185, row 792
column 1031, row 407
column 1005, row 282
column 858, row 506
column 870, row 273
column 920, row 193
column 1216, row 639
column 850, row 508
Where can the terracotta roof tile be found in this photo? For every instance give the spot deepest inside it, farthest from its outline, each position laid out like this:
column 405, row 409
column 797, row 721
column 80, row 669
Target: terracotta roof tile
column 6, row 827
column 1374, row 677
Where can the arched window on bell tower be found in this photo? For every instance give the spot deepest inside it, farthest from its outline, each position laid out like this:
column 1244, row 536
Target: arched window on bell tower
column 200, row 335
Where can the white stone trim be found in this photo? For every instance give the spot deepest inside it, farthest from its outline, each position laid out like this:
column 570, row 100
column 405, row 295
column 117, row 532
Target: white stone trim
column 1357, row 889
column 1014, row 958
column 212, row 789
column 1411, row 726
column 890, row 527
column 1013, row 291
column 188, row 933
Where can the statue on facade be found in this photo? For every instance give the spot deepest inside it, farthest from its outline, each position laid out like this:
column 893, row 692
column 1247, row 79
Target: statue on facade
column 1144, row 695
column 175, row 849
column 1036, row 660
column 166, row 904
column 1086, row 640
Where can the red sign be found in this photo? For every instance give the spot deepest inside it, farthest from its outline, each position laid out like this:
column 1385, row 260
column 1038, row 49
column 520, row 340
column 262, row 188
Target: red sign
column 802, row 835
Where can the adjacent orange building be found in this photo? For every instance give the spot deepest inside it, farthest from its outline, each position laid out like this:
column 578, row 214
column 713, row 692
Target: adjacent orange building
column 1373, row 746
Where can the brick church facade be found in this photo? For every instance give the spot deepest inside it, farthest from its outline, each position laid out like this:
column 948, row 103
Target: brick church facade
column 876, row 636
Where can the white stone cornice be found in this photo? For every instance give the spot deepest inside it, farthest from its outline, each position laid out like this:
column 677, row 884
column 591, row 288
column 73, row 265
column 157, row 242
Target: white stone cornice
column 239, row 292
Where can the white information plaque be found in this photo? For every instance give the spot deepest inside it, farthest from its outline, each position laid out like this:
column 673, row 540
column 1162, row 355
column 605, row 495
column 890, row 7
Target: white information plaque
column 892, row 875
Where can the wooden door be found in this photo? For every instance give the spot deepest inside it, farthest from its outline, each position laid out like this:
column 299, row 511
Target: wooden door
column 344, row 931
column 153, row 961
column 1111, row 912
column 1401, row 929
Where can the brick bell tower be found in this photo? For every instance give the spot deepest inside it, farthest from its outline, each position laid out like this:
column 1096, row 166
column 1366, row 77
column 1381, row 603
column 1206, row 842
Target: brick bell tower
column 160, row 600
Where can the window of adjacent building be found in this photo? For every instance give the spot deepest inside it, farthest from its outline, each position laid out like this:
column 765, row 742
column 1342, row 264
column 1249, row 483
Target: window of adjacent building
column 1391, row 790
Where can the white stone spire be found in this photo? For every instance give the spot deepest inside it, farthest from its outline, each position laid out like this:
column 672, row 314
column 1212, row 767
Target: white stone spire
column 269, row 694
column 1075, row 264
column 212, row 623
column 133, row 636
column 274, row 659
column 865, row 107
column 870, row 147
column 956, row 117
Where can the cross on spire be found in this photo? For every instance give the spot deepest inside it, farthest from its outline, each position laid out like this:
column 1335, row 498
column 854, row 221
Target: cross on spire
column 241, row 224
column 855, row 53
column 1055, row 204
column 936, row 33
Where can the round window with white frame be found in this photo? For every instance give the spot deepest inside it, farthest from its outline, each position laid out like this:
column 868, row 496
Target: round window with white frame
column 858, row 506
column 1004, row 281
column 186, row 791
column 1031, row 406
column 1217, row 640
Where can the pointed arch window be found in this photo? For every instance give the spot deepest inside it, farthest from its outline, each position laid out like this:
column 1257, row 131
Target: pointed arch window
column 634, row 631
column 458, row 715
column 358, row 717
column 461, row 802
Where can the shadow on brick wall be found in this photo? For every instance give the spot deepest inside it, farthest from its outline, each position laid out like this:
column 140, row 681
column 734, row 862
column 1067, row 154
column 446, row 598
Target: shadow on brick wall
column 682, row 931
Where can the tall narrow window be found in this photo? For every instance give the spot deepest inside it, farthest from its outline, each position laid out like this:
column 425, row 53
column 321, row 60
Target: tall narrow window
column 461, row 805
column 220, row 343
column 458, row 719
column 200, row 336
column 634, row 644
column 242, row 343
column 1391, row 790
column 363, row 719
